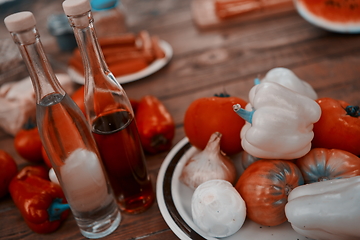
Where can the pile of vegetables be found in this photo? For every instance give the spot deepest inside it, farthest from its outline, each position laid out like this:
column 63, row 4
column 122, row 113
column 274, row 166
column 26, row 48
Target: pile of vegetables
column 299, row 154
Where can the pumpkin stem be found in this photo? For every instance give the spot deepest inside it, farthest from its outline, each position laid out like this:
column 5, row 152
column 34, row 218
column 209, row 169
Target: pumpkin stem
column 244, row 114
column 256, row 81
column 353, row 111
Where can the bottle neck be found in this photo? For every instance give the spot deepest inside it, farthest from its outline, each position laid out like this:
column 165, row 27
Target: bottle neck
column 42, row 76
column 92, row 56
column 103, row 93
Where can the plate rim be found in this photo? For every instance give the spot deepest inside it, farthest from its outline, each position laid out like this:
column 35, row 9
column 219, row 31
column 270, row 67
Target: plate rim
column 152, row 68
column 164, row 193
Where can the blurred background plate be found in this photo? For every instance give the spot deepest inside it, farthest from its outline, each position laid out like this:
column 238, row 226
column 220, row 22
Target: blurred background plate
column 152, row 68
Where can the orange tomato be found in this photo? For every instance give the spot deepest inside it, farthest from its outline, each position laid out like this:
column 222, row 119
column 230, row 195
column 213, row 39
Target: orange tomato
column 8, row 170
column 265, row 186
column 46, row 158
column 78, row 98
column 28, row 144
column 338, row 126
column 207, row 115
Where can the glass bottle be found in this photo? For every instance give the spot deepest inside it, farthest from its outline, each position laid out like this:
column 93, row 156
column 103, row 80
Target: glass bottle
column 66, row 137
column 111, row 117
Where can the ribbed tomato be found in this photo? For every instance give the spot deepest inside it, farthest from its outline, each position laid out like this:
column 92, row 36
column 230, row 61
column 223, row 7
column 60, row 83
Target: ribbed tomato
column 324, row 164
column 207, row 115
column 265, row 186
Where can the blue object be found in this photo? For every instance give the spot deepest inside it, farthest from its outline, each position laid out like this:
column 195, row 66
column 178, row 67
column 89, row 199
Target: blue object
column 59, row 27
column 101, row 5
column 56, row 209
column 244, row 114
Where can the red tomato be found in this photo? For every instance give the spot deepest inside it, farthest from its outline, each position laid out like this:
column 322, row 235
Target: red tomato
column 78, row 98
column 324, row 164
column 8, row 170
column 265, row 186
column 338, row 126
column 205, row 116
column 45, row 157
column 28, row 144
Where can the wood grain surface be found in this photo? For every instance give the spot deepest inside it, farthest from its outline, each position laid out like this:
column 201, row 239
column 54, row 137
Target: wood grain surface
column 205, row 62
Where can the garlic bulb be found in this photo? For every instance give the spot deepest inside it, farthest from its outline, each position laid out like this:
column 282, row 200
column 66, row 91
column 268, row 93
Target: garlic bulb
column 208, row 164
column 218, row 209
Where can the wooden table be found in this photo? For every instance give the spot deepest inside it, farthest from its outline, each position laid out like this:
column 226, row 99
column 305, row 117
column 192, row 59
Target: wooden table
column 205, row 62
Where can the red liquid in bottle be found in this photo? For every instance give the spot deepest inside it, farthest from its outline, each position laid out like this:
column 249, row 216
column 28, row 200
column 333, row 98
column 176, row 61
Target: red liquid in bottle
column 120, row 149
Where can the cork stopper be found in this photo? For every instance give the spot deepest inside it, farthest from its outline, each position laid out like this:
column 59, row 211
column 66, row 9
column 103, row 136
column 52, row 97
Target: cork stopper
column 20, row 21
column 76, row 7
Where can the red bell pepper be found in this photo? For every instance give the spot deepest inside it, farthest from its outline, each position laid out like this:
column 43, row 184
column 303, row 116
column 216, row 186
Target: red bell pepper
column 155, row 124
column 338, row 126
column 42, row 203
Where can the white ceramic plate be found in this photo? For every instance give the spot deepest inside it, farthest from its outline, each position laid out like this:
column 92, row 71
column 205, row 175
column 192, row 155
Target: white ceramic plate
column 174, row 200
column 152, row 68
column 351, row 27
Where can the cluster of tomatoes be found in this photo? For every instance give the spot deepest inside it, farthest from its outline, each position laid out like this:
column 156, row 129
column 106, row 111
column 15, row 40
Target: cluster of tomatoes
column 265, row 184
column 28, row 145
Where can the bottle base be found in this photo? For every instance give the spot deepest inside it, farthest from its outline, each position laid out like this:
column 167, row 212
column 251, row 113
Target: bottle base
column 138, row 205
column 101, row 227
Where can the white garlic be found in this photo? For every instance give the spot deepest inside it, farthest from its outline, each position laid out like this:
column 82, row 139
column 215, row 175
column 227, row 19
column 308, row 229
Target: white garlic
column 208, row 164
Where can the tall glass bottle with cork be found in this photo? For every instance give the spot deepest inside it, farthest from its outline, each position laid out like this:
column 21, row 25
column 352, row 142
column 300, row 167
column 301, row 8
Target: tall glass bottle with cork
column 66, row 137
column 111, row 117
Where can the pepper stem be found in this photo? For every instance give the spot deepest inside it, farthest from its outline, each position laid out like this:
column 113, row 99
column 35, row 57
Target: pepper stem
column 56, row 209
column 353, row 111
column 244, row 114
column 256, row 81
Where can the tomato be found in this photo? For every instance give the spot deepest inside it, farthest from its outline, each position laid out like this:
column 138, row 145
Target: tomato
column 78, row 98
column 45, row 157
column 338, row 126
column 8, row 170
column 265, row 186
column 134, row 104
column 207, row 115
column 28, row 144
column 324, row 164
